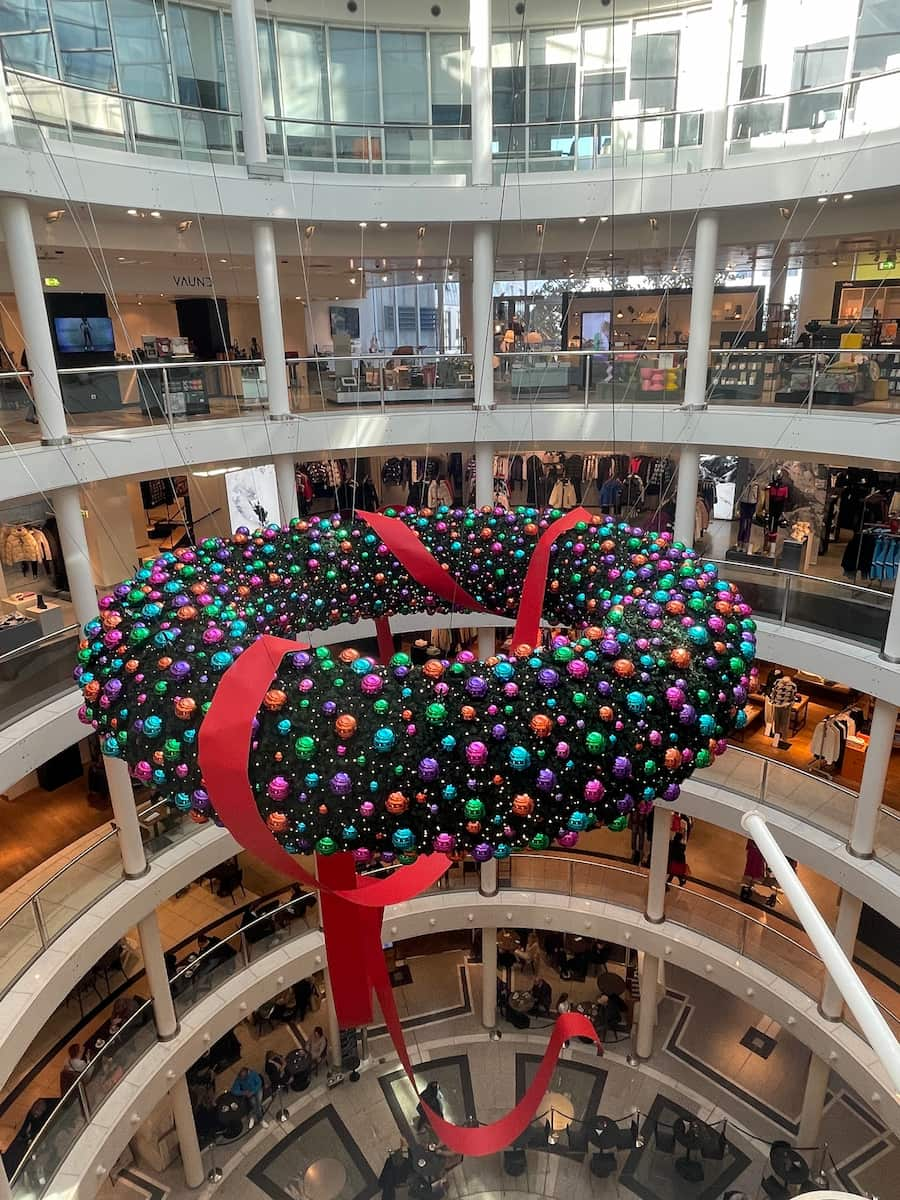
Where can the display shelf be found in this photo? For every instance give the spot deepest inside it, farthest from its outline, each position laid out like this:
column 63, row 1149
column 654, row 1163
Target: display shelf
column 737, row 376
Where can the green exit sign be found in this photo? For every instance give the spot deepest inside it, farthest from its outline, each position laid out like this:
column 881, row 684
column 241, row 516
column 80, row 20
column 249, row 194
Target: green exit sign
column 886, row 264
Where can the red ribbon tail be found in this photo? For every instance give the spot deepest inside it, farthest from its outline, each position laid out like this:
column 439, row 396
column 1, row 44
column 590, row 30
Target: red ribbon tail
column 531, row 606
column 385, row 639
column 348, row 930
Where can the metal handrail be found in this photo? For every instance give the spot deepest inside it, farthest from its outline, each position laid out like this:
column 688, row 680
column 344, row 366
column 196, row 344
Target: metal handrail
column 811, row 91
column 841, row 583
column 838, row 787
column 110, row 94
column 30, row 646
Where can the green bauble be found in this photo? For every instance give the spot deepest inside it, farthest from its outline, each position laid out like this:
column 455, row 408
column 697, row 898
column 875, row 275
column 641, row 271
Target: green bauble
column 618, row 823
column 474, row 810
column 595, row 742
column 326, row 845
column 540, row 841
column 305, row 746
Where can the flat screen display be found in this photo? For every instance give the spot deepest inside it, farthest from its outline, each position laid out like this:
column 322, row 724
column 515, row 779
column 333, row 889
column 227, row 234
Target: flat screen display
column 595, row 330
column 84, row 335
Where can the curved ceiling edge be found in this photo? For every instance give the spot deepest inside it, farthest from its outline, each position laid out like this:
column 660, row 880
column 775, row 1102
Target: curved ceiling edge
column 105, row 1138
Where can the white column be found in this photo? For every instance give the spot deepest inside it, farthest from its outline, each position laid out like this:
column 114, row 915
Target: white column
column 706, row 245
column 73, row 541
column 26, row 280
column 813, row 1103
column 483, row 314
column 717, row 65
column 778, row 276
column 659, row 864
column 7, row 138
column 186, row 1128
column 484, row 474
column 481, row 92
column 333, row 1029
column 871, row 789
column 157, row 978
column 649, row 1006
column 487, row 645
column 686, row 494
column 891, row 650
column 488, row 886
column 246, row 46
column 846, row 928
column 272, row 329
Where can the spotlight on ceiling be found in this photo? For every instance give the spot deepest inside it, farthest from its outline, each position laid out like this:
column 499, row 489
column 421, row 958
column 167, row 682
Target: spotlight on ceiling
column 822, row 200
column 848, row 195
column 785, row 212
column 603, row 220
column 581, row 220
column 56, row 215
column 382, row 224
column 419, row 277
column 384, row 279
column 654, row 224
column 353, row 279
column 309, row 231
column 539, row 229
column 154, row 212
column 420, row 232
column 834, row 262
column 364, row 224
column 184, row 226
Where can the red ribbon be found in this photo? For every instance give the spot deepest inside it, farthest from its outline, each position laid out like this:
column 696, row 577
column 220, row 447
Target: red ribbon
column 531, row 606
column 352, row 909
column 385, row 639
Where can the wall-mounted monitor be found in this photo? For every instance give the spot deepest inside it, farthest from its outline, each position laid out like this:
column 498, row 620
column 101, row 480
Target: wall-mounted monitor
column 84, row 335
column 595, row 330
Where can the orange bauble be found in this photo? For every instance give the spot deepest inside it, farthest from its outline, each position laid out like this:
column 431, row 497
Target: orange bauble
column 277, row 822
column 605, row 713
column 522, row 805
column 396, row 803
column 623, row 667
column 467, row 712
column 433, row 668
column 348, row 655
column 541, row 725
column 680, row 656
column 187, row 612
column 345, row 726
column 672, row 758
column 274, row 699
column 185, row 707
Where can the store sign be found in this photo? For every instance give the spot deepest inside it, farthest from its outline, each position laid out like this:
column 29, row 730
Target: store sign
column 886, row 264
column 200, row 282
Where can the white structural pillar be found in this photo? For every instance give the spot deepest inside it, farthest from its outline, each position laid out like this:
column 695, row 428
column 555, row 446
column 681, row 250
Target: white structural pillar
column 686, row 494
column 27, row 285
column 484, row 474
column 649, row 1006
column 659, row 866
column 73, row 541
column 481, row 92
column 186, row 1128
column 891, row 650
column 813, row 1107
column 875, row 1029
column 272, row 329
column 483, row 314
column 871, row 789
column 157, row 978
column 488, row 886
column 706, row 248
column 246, row 46
column 717, row 67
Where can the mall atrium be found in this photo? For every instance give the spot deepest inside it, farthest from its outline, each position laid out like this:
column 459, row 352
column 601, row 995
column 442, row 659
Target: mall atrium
column 450, row 461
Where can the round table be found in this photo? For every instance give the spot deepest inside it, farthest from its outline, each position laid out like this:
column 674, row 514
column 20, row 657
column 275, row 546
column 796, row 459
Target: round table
column 230, row 1113
column 521, row 1002
column 789, row 1165
column 689, row 1135
column 611, row 984
column 605, row 1133
column 559, row 1110
column 508, row 941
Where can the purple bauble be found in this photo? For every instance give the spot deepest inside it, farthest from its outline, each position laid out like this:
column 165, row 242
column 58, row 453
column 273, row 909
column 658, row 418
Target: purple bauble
column 546, row 779
column 278, row 789
column 548, row 678
column 476, row 686
column 674, row 697
column 482, row 852
column 444, row 843
column 687, row 715
column 429, row 768
column 672, row 791
column 621, row 767
column 498, row 732
column 568, row 839
column 341, row 783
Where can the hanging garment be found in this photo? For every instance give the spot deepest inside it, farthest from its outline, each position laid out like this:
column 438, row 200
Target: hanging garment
column 701, row 518
column 563, row 495
column 440, row 492
column 746, row 509
column 534, row 474
column 611, row 495
column 394, row 473
column 826, row 741
column 633, row 493
column 20, row 546
column 573, row 468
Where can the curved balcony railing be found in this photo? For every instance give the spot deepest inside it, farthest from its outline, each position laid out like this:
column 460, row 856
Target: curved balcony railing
column 122, row 396
column 789, row 956
column 36, row 672
column 654, row 142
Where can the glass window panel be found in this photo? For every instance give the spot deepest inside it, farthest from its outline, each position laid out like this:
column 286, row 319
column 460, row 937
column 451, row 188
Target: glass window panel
column 139, row 33
column 877, row 17
column 23, row 16
column 404, row 77
column 547, row 47
column 818, row 65
column 606, row 46
column 265, row 37
column 81, row 24
column 654, row 55
column 93, row 68
column 552, row 93
column 656, row 95
column 600, row 92
column 303, row 79
column 509, row 95
column 354, row 75
column 198, row 56
column 30, row 52
column 449, row 69
column 873, row 53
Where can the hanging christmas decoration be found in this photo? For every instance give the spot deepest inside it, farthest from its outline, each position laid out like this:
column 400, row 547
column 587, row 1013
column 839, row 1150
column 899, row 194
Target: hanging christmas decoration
column 459, row 756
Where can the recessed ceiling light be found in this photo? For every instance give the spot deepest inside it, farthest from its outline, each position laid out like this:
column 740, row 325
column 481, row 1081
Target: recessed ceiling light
column 132, row 212
column 419, row 278
column 384, row 279
column 604, row 219
column 383, row 224
column 364, row 224
column 296, row 297
column 450, row 275
column 848, row 195
column 352, row 265
column 121, row 258
column 223, row 260
column 822, row 200
column 337, row 297
column 834, row 262
column 353, row 279
column 155, row 213
column 581, row 220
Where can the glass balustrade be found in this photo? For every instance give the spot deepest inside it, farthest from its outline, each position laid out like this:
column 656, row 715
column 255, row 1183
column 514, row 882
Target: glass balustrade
column 36, row 673
column 662, row 142
column 788, row 956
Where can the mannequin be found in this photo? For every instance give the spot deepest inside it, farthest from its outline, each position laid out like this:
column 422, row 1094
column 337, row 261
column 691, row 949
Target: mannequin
column 746, row 509
column 778, row 496
column 783, row 695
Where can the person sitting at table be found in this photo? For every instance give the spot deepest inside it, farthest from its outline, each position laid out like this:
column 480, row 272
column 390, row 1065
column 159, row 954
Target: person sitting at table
column 285, row 1005
column 611, row 1010
column 257, row 923
column 304, row 991
column 562, row 1004
column 543, row 996
column 318, row 1047
column 219, row 952
column 249, row 1084
column 431, row 1098
column 300, row 902
column 76, row 1061
column 275, row 1069
column 124, row 1008
column 204, row 1117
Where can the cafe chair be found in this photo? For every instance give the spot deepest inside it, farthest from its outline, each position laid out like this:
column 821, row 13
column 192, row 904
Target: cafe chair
column 712, row 1143
column 514, row 1162
column 578, row 1137
column 518, row 1020
column 264, row 1015
column 665, row 1139
column 774, row 1188
column 230, row 882
column 603, row 1163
